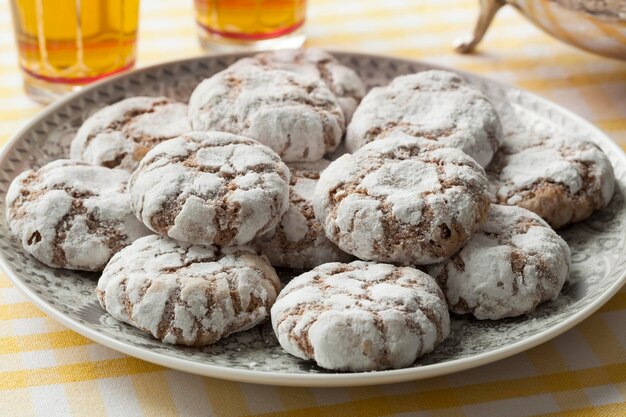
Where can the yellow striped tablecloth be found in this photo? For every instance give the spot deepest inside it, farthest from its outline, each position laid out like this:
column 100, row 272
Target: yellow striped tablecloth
column 47, row 370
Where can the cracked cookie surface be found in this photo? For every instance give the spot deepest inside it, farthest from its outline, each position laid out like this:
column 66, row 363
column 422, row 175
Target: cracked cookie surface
column 561, row 178
column 342, row 81
column 436, row 105
column 186, row 294
column 295, row 115
column 210, row 188
column 69, row 214
column 511, row 265
column 403, row 200
column 119, row 135
column 361, row 316
column 299, row 241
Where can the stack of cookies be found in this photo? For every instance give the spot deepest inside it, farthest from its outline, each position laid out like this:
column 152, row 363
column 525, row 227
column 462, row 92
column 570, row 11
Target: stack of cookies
column 188, row 208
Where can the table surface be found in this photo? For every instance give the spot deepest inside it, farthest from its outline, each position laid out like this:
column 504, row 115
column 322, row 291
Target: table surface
column 48, row 370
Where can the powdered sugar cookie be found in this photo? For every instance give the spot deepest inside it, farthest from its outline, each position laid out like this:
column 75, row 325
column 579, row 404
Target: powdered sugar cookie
column 69, row 214
column 187, row 295
column 295, row 115
column 361, row 316
column 562, row 179
column 436, row 105
column 512, row 264
column 119, row 135
column 342, row 81
column 299, row 240
column 403, row 200
column 210, row 188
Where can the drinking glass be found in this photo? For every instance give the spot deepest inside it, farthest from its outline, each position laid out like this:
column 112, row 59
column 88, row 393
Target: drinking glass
column 226, row 25
column 64, row 44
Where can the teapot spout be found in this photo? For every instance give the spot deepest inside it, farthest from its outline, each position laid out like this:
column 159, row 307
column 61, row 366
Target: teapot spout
column 488, row 9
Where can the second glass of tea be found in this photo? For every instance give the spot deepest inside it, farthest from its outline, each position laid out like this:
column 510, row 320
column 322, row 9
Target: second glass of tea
column 64, row 44
column 230, row 25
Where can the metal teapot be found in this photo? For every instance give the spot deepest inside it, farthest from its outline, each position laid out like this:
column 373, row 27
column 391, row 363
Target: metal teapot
column 598, row 26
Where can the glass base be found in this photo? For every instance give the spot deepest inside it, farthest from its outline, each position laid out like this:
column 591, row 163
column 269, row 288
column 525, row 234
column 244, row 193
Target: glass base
column 214, row 43
column 46, row 92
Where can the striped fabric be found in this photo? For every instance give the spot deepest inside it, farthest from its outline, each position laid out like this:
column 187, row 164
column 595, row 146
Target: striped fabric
column 47, row 370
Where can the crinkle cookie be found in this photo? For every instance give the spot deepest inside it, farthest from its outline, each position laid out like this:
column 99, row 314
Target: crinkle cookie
column 342, row 81
column 185, row 294
column 295, row 115
column 436, row 105
column 210, row 188
column 361, row 316
column 402, row 200
column 512, row 264
column 562, row 179
column 299, row 240
column 69, row 214
column 119, row 135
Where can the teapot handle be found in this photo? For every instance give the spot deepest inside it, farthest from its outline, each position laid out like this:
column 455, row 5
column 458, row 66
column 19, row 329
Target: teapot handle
column 488, row 9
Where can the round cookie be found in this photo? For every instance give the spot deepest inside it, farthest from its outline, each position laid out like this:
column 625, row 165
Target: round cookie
column 119, row 135
column 361, row 316
column 436, row 105
column 402, row 200
column 299, row 240
column 69, row 214
column 210, row 188
column 187, row 295
column 295, row 115
column 562, row 179
column 342, row 81
column 512, row 264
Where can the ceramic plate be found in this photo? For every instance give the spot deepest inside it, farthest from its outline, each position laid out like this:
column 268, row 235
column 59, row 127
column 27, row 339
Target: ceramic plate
column 598, row 269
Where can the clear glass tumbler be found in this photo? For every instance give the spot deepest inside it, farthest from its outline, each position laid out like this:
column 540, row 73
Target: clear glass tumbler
column 227, row 25
column 64, row 44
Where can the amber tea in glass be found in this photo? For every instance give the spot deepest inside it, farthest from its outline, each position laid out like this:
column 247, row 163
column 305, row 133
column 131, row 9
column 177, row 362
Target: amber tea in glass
column 64, row 44
column 250, row 24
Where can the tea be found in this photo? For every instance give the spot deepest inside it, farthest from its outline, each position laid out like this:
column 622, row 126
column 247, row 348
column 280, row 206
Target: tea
column 264, row 23
column 65, row 43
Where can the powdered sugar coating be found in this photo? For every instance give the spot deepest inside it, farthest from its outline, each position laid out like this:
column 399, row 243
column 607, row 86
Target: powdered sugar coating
column 511, row 265
column 403, row 200
column 436, row 105
column 561, row 178
column 295, row 115
column 185, row 294
column 361, row 316
column 119, row 135
column 299, row 240
column 69, row 214
column 210, row 188
column 344, row 82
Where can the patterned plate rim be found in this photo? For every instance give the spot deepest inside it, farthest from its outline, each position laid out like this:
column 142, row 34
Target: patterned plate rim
column 318, row 380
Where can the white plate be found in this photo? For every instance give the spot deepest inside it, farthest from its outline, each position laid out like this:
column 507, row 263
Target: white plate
column 598, row 270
